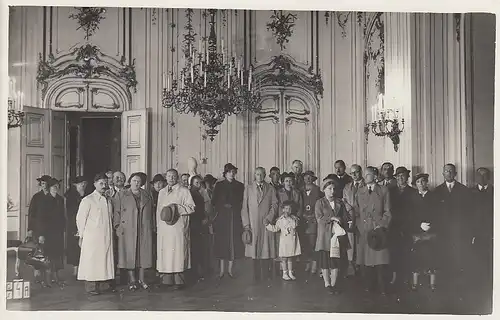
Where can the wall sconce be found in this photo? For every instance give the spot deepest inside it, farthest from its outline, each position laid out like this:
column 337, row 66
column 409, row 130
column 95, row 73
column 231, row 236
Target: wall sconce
column 15, row 106
column 385, row 122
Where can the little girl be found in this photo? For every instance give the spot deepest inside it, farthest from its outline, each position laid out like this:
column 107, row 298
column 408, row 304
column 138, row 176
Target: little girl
column 289, row 245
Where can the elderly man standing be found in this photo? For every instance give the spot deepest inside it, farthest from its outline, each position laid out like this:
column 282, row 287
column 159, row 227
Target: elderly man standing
column 297, row 168
column 372, row 208
column 173, row 248
column 95, row 229
column 454, row 204
column 350, row 191
column 260, row 207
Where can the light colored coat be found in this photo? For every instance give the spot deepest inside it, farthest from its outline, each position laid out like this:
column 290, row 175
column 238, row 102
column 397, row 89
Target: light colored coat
column 131, row 232
column 289, row 237
column 95, row 227
column 173, row 250
column 371, row 210
column 349, row 195
column 254, row 212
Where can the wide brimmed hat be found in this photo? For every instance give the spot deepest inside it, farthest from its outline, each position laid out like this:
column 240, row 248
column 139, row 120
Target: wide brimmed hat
column 53, row 182
column 377, row 239
column 246, row 237
column 158, row 177
column 44, row 178
column 402, row 170
column 228, row 167
column 331, row 176
column 170, row 214
column 78, row 180
column 311, row 174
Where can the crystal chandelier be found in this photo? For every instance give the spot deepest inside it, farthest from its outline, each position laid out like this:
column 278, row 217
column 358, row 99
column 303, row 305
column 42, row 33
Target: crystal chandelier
column 211, row 84
column 386, row 122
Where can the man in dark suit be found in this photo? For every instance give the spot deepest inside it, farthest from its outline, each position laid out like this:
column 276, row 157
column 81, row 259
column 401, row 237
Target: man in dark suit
column 387, row 173
column 342, row 176
column 453, row 201
column 482, row 241
column 275, row 175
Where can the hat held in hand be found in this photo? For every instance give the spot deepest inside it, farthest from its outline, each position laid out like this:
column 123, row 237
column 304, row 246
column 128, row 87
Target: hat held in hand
column 170, row 214
column 377, row 239
column 246, row 237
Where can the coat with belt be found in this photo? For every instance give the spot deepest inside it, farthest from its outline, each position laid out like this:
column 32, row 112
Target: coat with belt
column 257, row 209
column 324, row 213
column 173, row 249
column 95, row 228
column 371, row 210
column 309, row 223
column 134, row 227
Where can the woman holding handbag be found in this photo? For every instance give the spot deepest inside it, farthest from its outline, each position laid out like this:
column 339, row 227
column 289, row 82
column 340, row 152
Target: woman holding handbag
column 423, row 255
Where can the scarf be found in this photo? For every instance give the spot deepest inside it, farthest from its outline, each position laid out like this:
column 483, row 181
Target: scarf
column 337, row 231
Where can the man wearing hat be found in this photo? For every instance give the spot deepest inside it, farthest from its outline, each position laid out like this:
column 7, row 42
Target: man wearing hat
column 373, row 211
column 309, row 228
column 95, row 229
column 260, row 207
column 173, row 248
column 350, row 191
column 400, row 227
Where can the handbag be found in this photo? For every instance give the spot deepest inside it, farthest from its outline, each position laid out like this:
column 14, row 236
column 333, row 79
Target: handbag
column 27, row 247
column 38, row 260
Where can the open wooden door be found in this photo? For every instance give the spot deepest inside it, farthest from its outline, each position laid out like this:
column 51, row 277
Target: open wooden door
column 58, row 133
column 35, row 158
column 135, row 142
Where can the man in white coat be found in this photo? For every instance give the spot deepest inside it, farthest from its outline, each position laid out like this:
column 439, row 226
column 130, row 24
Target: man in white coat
column 95, row 229
column 173, row 249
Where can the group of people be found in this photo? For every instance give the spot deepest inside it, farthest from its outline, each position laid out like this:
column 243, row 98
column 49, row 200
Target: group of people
column 362, row 223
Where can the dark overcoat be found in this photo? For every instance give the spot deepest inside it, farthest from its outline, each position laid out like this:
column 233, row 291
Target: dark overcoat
column 227, row 199
column 73, row 199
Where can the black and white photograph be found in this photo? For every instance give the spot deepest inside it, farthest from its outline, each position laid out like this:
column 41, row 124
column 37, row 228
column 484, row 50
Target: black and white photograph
column 250, row 160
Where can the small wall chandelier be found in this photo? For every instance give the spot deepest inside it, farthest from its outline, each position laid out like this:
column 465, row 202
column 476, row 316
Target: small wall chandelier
column 212, row 84
column 15, row 106
column 386, row 122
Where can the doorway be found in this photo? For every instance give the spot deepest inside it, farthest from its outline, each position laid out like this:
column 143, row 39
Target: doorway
column 94, row 145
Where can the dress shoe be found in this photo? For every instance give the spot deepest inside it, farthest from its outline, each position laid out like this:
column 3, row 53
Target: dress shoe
column 93, row 293
column 178, row 287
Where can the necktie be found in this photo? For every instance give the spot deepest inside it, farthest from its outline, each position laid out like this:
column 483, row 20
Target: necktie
column 449, row 188
column 259, row 187
column 169, row 189
column 369, row 190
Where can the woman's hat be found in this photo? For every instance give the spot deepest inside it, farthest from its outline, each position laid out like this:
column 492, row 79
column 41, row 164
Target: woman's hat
column 331, row 179
column 53, row 182
column 170, row 214
column 158, row 177
column 285, row 175
column 246, row 237
column 419, row 176
column 331, row 176
column 402, row 170
column 377, row 239
column 210, row 179
column 44, row 178
column 79, row 179
column 311, row 174
column 228, row 167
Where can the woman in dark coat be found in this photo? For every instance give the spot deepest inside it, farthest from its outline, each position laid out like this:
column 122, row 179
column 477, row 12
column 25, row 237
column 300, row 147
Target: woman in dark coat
column 134, row 224
column 423, row 255
column 73, row 197
column 198, row 228
column 309, row 226
column 228, row 227
column 50, row 226
column 331, row 210
column 399, row 233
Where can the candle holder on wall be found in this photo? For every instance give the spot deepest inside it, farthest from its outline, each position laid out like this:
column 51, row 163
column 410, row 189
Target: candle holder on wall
column 16, row 117
column 386, row 123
